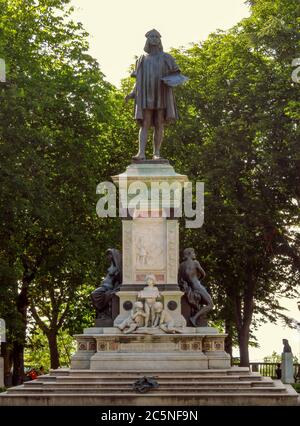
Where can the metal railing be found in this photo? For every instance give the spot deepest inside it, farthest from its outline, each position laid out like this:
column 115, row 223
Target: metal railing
column 268, row 369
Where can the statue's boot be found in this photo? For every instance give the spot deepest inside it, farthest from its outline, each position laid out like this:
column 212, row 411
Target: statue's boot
column 139, row 157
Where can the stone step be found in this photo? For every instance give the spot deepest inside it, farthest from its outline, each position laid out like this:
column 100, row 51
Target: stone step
column 132, row 378
column 135, row 376
column 130, row 387
column 240, row 371
column 162, row 389
column 152, row 399
column 103, row 388
column 187, row 384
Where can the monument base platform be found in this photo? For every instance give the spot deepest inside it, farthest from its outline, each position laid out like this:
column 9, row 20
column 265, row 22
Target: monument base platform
column 191, row 368
column 151, row 349
column 232, row 386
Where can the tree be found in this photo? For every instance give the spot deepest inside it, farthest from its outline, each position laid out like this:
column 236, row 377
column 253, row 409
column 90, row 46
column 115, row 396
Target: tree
column 275, row 357
column 54, row 115
column 238, row 135
column 37, row 349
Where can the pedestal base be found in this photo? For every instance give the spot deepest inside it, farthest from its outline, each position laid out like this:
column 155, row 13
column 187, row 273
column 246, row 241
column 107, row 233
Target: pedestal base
column 109, row 349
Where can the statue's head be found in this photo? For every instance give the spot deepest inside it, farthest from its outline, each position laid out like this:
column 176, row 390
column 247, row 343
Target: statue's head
column 153, row 39
column 150, row 280
column 285, row 341
column 138, row 305
column 158, row 307
column 189, row 253
column 114, row 256
column 109, row 255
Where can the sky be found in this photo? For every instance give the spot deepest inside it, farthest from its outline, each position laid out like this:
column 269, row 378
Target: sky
column 270, row 336
column 117, row 34
column 117, row 27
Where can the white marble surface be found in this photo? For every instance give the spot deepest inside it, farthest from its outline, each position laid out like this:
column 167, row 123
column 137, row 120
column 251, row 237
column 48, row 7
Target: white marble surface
column 150, row 246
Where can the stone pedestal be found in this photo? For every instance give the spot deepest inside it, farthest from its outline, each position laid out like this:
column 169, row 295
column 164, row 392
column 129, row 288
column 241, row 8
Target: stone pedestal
column 150, row 246
column 1, row 372
column 150, row 230
column 151, row 234
column 287, row 368
column 150, row 349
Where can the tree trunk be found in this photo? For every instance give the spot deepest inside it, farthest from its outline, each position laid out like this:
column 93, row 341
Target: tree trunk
column 228, row 340
column 243, row 319
column 54, row 354
column 18, row 363
column 7, row 356
column 243, row 336
column 19, row 343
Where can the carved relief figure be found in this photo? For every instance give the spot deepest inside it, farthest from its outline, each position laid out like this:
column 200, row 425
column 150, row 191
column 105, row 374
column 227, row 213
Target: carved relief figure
column 135, row 320
column 148, row 248
column 149, row 296
column 141, row 252
column 164, row 320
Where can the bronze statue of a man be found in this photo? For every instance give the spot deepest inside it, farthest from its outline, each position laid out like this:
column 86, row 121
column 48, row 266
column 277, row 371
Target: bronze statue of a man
column 156, row 72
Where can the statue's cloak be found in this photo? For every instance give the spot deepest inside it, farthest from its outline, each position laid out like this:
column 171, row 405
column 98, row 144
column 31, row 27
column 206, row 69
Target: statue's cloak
column 150, row 91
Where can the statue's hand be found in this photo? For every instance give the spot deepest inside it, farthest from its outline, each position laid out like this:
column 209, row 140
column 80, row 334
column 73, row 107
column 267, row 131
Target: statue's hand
column 185, row 286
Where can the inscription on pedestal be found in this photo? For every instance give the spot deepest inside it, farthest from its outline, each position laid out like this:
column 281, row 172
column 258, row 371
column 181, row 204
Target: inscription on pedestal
column 160, row 278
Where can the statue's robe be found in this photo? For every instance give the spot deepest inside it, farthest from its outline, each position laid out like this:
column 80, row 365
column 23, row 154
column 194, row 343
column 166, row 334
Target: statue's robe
column 150, row 91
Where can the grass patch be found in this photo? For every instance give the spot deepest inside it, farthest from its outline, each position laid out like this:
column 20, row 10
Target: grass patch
column 296, row 386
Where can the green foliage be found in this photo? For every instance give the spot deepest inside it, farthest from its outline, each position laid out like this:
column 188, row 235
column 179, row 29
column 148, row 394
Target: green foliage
column 37, row 349
column 296, row 386
column 275, row 357
column 54, row 125
column 238, row 134
column 63, row 129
